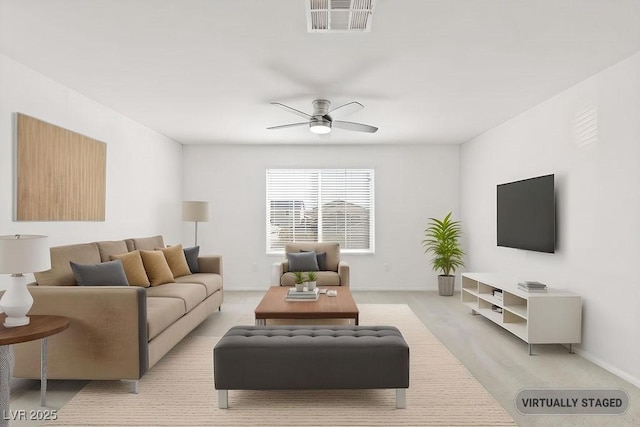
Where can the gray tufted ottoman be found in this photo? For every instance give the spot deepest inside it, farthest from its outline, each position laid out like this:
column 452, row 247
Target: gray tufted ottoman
column 311, row 357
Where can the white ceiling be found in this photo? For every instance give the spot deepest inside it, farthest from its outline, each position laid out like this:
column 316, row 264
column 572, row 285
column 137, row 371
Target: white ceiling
column 430, row 71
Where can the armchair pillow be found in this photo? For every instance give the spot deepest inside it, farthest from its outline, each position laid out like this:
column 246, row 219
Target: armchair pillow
column 321, row 257
column 303, row 261
column 110, row 273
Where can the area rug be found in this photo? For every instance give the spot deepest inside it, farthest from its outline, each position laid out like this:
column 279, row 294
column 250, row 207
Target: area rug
column 179, row 391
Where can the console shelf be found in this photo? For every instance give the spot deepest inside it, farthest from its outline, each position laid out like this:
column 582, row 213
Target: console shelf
column 552, row 317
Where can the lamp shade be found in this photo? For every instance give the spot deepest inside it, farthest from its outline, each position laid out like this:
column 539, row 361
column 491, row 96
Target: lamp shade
column 195, row 211
column 23, row 253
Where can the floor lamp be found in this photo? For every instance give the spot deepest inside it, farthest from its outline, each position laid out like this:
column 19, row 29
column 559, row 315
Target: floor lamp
column 21, row 254
column 196, row 212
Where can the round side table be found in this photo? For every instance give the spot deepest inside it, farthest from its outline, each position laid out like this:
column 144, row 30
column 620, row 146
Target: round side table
column 40, row 327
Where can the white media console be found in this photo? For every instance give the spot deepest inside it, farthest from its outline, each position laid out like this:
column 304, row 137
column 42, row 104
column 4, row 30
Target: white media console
column 552, row 317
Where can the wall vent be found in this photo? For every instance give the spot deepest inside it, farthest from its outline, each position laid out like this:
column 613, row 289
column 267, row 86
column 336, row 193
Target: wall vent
column 586, row 126
column 331, row 16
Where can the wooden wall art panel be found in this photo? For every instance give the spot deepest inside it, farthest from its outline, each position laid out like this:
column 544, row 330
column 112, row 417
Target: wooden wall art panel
column 61, row 175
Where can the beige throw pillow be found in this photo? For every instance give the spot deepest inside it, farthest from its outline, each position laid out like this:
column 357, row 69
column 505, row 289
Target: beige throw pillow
column 155, row 264
column 177, row 260
column 133, row 268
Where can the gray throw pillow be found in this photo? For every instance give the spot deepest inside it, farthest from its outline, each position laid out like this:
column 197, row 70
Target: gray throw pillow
column 110, row 273
column 192, row 258
column 303, row 261
column 321, row 257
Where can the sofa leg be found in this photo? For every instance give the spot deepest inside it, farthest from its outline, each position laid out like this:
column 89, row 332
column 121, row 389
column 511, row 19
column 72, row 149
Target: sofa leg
column 223, row 399
column 134, row 385
column 401, row 398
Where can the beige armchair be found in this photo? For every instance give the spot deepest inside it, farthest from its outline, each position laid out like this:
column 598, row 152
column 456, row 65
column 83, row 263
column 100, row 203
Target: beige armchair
column 331, row 271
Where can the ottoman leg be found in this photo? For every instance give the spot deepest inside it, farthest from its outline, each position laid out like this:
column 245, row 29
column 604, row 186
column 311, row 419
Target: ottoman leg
column 223, row 399
column 401, row 398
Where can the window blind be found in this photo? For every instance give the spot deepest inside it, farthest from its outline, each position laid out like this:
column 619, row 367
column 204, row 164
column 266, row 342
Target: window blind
column 320, row 205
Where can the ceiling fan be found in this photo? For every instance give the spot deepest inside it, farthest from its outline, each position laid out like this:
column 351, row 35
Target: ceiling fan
column 321, row 121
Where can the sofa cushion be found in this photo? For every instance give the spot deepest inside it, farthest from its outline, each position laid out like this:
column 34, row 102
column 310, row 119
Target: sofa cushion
column 332, row 250
column 133, row 268
column 177, row 260
column 60, row 273
column 108, row 248
column 192, row 258
column 155, row 264
column 191, row 294
column 212, row 282
column 303, row 261
column 110, row 273
column 145, row 243
column 325, row 278
column 162, row 313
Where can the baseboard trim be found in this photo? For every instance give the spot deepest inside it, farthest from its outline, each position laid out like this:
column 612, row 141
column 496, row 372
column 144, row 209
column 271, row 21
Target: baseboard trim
column 607, row 367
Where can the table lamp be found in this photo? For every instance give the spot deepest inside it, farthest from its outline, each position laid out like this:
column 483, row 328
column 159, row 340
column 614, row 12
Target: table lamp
column 19, row 254
column 196, row 212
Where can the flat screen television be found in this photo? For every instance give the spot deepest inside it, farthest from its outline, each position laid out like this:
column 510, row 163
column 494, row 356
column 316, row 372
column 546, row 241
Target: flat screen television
column 527, row 214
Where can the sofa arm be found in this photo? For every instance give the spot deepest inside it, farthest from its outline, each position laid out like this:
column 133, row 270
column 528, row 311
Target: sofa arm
column 277, row 270
column 106, row 338
column 210, row 264
column 343, row 272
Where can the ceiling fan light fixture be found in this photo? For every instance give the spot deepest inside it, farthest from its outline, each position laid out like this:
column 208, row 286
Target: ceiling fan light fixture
column 320, row 128
column 320, row 124
column 321, row 121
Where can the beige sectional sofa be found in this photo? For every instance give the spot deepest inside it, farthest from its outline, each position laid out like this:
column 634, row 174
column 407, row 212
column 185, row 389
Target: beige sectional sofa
column 116, row 332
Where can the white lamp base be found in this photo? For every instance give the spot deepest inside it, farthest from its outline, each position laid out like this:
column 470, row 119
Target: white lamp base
column 11, row 322
column 16, row 302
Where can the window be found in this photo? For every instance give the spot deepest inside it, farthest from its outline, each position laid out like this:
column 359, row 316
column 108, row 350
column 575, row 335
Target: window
column 320, row 205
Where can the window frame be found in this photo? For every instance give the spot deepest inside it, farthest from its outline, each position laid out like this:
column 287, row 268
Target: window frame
column 271, row 201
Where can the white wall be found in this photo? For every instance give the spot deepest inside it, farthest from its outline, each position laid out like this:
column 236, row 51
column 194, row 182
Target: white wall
column 144, row 175
column 598, row 207
column 412, row 184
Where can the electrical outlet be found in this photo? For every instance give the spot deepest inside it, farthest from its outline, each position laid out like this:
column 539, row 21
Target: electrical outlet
column 387, row 267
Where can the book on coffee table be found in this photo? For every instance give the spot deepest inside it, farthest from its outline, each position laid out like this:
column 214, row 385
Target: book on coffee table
column 293, row 295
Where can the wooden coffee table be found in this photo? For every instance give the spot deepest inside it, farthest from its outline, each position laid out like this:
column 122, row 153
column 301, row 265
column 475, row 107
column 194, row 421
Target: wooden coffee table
column 274, row 306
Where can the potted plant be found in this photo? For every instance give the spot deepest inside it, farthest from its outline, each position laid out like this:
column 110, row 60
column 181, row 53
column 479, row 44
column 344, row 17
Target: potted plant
column 441, row 240
column 299, row 280
column 312, row 276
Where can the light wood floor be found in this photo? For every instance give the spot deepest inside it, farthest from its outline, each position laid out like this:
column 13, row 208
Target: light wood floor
column 499, row 360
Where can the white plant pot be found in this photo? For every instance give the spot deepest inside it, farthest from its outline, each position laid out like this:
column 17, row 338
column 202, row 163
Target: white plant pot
column 299, row 287
column 446, row 285
column 311, row 285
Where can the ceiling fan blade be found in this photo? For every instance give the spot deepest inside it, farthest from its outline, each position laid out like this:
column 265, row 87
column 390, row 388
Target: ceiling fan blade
column 292, row 110
column 354, row 126
column 348, row 108
column 290, row 125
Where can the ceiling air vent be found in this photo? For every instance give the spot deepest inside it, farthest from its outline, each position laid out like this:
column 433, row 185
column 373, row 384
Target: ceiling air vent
column 331, row 16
